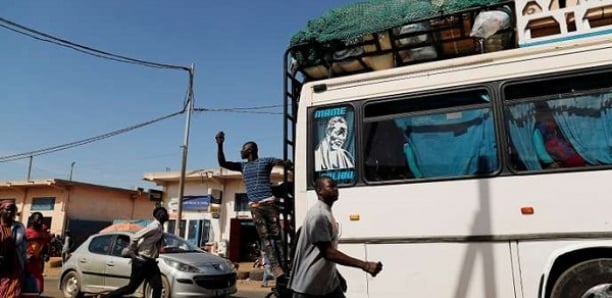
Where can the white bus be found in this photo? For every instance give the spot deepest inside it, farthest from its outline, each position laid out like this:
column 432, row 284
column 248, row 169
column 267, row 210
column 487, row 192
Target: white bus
column 475, row 177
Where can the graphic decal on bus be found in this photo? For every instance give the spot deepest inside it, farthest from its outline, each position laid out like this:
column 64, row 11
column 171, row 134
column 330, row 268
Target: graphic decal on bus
column 335, row 143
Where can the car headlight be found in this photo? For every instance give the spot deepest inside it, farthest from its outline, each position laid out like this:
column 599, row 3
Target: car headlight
column 230, row 265
column 181, row 266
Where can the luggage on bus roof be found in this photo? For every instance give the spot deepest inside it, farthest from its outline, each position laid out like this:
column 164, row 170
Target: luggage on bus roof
column 354, row 20
column 382, row 34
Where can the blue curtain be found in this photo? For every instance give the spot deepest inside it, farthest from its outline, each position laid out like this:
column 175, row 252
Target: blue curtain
column 586, row 122
column 521, row 124
column 450, row 144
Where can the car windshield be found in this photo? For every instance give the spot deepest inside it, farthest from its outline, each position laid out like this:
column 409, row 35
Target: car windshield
column 175, row 244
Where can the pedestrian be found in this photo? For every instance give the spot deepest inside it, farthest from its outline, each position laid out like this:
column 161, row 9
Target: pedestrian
column 144, row 249
column 267, row 270
column 262, row 203
column 67, row 245
column 12, row 251
column 314, row 272
column 38, row 241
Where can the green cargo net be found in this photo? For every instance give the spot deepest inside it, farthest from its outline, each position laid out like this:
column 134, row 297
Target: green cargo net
column 346, row 28
column 354, row 20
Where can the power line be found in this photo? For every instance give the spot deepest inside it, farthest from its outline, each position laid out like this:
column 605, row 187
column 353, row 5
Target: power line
column 259, row 107
column 82, row 142
column 235, row 111
column 47, row 150
column 12, row 26
column 35, row 34
column 249, row 110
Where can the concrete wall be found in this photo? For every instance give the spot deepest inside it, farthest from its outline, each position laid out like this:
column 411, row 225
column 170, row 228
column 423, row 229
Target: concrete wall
column 101, row 204
column 78, row 201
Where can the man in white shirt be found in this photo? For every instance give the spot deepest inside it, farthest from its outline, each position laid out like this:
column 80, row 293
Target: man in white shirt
column 144, row 249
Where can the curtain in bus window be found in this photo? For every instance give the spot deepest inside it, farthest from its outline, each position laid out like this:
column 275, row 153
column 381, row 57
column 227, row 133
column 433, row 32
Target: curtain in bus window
column 450, row 144
column 384, row 152
column 586, row 122
column 521, row 126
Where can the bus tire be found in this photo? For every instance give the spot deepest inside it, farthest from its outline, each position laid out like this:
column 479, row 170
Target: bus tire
column 585, row 279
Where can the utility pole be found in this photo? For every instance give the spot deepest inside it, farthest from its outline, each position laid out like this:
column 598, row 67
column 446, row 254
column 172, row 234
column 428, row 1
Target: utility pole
column 71, row 168
column 30, row 168
column 185, row 147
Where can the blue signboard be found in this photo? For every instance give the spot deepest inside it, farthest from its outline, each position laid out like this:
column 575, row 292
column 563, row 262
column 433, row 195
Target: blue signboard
column 196, row 203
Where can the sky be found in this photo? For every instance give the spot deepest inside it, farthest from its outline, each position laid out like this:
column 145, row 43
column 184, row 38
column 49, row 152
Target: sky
column 52, row 95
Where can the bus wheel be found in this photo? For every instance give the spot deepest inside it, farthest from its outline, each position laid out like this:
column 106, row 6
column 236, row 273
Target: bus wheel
column 589, row 279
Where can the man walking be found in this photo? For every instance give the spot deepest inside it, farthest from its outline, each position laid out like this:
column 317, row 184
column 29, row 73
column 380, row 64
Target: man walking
column 144, row 249
column 314, row 273
column 262, row 203
column 67, row 245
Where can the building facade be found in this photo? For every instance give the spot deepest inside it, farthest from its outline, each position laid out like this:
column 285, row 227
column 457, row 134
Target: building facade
column 215, row 213
column 83, row 208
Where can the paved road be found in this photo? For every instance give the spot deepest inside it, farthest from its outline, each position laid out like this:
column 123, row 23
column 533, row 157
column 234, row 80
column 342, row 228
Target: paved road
column 52, row 290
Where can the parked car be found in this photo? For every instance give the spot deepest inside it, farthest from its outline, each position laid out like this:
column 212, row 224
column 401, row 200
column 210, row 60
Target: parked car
column 96, row 266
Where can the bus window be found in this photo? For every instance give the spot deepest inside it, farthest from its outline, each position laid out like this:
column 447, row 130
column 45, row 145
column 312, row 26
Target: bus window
column 384, row 152
column 334, row 140
column 567, row 132
column 562, row 122
column 448, row 135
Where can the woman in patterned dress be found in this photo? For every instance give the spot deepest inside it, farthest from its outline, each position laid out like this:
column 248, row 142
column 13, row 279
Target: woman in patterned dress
column 11, row 266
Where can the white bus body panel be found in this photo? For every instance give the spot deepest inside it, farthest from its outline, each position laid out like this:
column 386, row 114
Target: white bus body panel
column 459, row 208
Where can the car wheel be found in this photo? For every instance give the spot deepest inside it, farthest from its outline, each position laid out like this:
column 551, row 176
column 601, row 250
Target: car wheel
column 587, row 279
column 165, row 289
column 71, row 285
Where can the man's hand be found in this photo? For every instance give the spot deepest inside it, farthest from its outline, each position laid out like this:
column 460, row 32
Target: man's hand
column 128, row 253
column 220, row 137
column 372, row 267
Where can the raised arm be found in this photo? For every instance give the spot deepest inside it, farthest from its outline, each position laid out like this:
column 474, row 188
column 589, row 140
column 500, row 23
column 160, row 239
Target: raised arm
column 234, row 166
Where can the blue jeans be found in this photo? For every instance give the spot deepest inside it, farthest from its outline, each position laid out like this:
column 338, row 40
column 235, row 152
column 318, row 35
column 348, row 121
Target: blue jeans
column 267, row 275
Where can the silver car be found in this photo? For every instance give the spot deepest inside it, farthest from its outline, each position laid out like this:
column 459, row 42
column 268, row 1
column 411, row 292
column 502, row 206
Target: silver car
column 96, row 266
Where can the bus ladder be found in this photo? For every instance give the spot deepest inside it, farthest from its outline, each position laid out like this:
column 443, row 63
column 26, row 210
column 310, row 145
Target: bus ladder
column 291, row 91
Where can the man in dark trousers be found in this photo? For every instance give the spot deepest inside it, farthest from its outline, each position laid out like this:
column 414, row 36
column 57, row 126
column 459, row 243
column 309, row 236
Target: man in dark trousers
column 262, row 203
column 144, row 249
column 314, row 273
